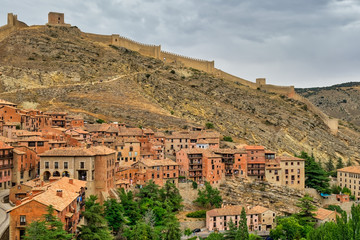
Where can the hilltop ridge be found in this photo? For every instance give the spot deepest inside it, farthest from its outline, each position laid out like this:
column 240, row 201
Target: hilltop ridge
column 61, row 68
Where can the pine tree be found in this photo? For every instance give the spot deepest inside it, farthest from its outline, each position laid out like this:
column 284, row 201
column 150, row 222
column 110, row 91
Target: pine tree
column 307, row 208
column 349, row 163
column 95, row 227
column 230, row 233
column 36, row 230
column 114, row 214
column 339, row 163
column 330, row 165
column 243, row 231
column 315, row 176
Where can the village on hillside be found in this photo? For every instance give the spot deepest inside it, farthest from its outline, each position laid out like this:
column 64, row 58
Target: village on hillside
column 58, row 164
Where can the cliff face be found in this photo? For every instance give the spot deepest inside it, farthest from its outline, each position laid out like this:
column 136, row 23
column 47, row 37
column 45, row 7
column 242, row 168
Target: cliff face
column 340, row 101
column 57, row 68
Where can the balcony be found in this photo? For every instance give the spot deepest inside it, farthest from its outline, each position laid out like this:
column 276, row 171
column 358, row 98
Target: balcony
column 195, row 163
column 195, row 169
column 6, row 156
column 6, row 166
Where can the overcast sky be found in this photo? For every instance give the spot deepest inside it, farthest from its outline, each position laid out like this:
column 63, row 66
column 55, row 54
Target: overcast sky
column 306, row 43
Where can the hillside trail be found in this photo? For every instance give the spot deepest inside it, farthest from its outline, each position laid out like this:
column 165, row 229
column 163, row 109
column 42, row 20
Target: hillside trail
column 76, row 84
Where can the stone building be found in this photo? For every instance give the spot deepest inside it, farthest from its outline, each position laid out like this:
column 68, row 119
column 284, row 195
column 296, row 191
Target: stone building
column 350, row 177
column 258, row 218
column 95, row 165
column 324, row 215
column 286, row 171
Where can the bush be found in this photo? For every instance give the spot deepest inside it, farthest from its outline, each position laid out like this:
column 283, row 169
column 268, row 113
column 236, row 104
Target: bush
column 172, row 112
column 172, row 71
column 209, row 125
column 335, row 189
column 194, row 185
column 147, row 75
column 100, row 121
column 197, row 214
column 228, row 139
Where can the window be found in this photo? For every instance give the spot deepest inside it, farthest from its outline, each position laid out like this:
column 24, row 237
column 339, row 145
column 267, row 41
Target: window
column 65, row 165
column 286, row 171
column 31, row 144
column 56, row 165
column 46, row 164
column 82, row 164
column 40, row 144
column 22, row 220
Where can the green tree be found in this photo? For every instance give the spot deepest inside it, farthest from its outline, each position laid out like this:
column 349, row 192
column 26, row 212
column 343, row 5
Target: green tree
column 339, row 163
column 131, row 209
column 114, row 214
column 287, row 228
column 330, row 165
column 230, row 233
column 209, row 196
column 170, row 194
column 95, row 227
column 36, row 230
column 307, row 209
column 50, row 228
column 142, row 231
column 172, row 229
column 243, row 231
column 315, row 176
column 215, row 236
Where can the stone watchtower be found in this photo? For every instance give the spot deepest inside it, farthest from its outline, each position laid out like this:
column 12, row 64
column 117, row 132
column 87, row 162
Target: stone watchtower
column 55, row 18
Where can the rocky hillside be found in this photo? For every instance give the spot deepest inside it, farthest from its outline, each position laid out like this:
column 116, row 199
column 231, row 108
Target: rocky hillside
column 341, row 101
column 58, row 68
column 280, row 199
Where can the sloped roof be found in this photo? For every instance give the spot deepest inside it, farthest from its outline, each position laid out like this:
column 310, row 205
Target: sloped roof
column 230, row 210
column 322, row 213
column 351, row 169
column 286, row 157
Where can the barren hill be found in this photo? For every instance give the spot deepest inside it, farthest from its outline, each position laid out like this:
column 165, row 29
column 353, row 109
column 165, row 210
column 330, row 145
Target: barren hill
column 59, row 68
column 341, row 101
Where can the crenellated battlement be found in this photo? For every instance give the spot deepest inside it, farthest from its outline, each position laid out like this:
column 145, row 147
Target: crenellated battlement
column 181, row 56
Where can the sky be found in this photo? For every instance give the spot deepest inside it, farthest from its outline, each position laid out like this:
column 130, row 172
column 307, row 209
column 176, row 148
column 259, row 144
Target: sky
column 307, row 43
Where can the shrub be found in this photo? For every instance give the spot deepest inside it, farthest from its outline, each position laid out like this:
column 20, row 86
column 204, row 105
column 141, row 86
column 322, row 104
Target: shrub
column 194, row 185
column 197, row 214
column 305, row 107
column 209, row 125
column 172, row 71
column 172, row 112
column 228, row 139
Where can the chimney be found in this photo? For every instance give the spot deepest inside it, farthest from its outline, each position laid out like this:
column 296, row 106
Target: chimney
column 71, row 181
column 59, row 193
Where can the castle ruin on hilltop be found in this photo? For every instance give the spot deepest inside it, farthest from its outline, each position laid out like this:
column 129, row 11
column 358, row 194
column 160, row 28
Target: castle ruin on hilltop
column 58, row 19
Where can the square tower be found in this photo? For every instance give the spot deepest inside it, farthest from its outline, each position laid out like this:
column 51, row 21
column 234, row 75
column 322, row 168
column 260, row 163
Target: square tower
column 55, row 18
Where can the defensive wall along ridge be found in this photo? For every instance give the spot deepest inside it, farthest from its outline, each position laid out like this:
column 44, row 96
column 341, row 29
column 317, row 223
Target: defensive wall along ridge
column 57, row 19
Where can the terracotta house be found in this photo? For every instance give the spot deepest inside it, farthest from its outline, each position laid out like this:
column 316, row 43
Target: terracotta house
column 65, row 195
